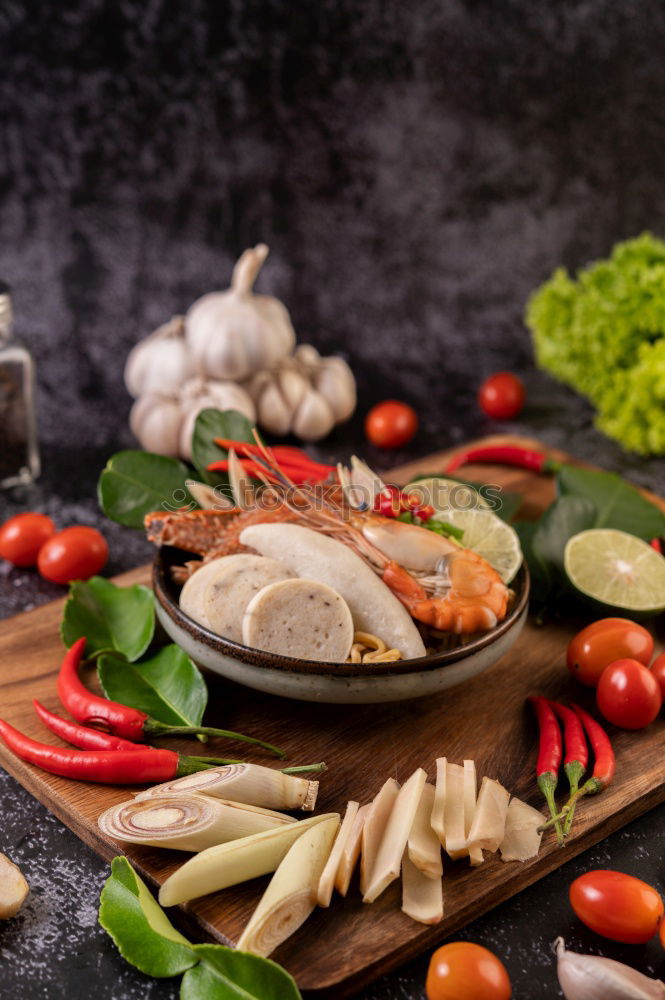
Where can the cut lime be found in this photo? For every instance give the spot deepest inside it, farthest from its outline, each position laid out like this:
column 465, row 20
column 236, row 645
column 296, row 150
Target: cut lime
column 616, row 569
column 446, row 494
column 490, row 537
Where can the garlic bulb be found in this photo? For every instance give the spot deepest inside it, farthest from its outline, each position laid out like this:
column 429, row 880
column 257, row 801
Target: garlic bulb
column 164, row 423
column 234, row 333
column 590, row 977
column 305, row 395
column 161, row 362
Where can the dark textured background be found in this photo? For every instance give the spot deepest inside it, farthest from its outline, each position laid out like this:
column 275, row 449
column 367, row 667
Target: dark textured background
column 416, row 169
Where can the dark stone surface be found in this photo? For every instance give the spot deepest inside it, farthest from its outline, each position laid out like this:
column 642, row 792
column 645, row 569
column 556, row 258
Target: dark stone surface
column 417, row 169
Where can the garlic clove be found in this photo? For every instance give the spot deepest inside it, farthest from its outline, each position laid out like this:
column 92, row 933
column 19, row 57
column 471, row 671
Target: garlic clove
column 160, row 362
column 314, row 418
column 307, row 355
column 293, row 387
column 590, row 977
column 155, row 421
column 334, row 380
column 274, row 413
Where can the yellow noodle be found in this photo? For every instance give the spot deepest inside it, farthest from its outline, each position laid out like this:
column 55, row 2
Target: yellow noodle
column 368, row 648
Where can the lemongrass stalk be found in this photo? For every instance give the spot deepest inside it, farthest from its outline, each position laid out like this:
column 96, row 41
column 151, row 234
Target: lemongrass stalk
column 291, row 894
column 373, row 827
column 523, row 834
column 235, row 862
column 455, row 837
column 186, row 822
column 252, row 784
column 351, row 852
column 13, row 888
column 422, row 897
column 423, row 847
column 489, row 822
column 327, row 880
column 439, row 806
column 388, row 862
column 470, row 789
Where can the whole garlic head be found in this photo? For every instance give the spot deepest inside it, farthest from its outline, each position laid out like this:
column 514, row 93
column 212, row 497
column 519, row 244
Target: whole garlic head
column 235, row 333
column 161, row 362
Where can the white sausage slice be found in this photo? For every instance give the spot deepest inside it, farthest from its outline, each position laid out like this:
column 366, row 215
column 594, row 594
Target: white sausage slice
column 238, row 580
column 302, row 618
column 191, row 595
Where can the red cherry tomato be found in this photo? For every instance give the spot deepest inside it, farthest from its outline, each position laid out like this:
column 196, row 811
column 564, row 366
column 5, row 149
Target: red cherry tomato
column 618, row 906
column 22, row 536
column 73, row 554
column 391, row 424
column 603, row 642
column 628, row 694
column 502, row 396
column 658, row 670
column 466, row 971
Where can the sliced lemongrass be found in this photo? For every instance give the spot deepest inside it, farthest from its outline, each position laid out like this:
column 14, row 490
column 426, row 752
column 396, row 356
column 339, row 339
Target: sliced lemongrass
column 327, row 880
column 423, row 848
column 373, row 827
column 422, row 897
column 351, row 852
column 250, row 783
column 489, row 822
column 186, row 822
column 241, row 485
column 234, row 862
column 386, row 867
column 522, row 838
column 470, row 788
column 291, row 894
column 439, row 807
column 455, row 836
column 208, row 497
column 13, row 888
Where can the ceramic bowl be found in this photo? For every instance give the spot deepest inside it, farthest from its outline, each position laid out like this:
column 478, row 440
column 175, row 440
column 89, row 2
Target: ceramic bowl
column 341, row 683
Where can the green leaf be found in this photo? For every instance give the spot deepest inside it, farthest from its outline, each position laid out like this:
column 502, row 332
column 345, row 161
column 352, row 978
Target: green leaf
column 564, row 518
column 167, row 686
column 618, row 504
column 539, row 570
column 140, row 928
column 225, row 974
column 134, row 483
column 211, row 424
column 111, row 617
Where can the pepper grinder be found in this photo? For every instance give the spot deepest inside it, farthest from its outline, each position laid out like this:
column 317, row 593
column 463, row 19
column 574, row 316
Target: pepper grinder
column 19, row 451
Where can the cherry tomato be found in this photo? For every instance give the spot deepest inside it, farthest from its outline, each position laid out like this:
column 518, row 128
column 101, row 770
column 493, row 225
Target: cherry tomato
column 466, row 971
column 502, row 396
column 73, row 554
column 618, row 906
column 22, row 536
column 628, row 694
column 603, row 642
column 658, row 670
column 391, row 424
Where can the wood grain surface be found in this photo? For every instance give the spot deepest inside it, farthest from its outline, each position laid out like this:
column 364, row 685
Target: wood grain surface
column 340, row 949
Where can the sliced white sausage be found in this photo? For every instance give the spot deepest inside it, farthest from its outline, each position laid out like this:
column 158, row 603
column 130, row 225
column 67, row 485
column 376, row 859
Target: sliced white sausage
column 238, row 579
column 307, row 553
column 302, row 618
column 191, row 595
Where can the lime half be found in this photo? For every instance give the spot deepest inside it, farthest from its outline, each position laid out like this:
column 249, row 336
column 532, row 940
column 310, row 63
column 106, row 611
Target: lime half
column 616, row 569
column 490, row 537
column 446, row 494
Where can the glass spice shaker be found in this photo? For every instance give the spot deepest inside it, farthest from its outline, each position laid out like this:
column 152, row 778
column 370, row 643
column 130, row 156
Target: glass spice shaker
column 19, row 452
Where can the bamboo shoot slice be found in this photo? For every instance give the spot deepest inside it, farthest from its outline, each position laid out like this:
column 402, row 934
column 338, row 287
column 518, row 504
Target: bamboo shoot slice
column 522, row 839
column 373, row 827
column 455, row 837
column 186, row 822
column 439, row 806
column 250, row 783
column 470, row 787
column 291, row 894
column 422, row 897
column 13, row 888
column 235, row 862
column 424, row 849
column 327, row 881
column 388, row 863
column 351, row 852
column 489, row 822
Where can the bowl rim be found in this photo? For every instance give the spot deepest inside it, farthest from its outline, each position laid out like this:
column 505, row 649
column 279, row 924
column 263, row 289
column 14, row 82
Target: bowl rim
column 163, row 587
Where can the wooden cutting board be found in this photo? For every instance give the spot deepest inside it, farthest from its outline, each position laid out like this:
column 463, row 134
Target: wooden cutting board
column 340, row 949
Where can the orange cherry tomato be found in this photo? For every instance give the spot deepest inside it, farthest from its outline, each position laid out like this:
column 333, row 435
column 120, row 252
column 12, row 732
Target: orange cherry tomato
column 618, row 906
column 658, row 670
column 391, row 424
column 603, row 642
column 73, row 554
column 628, row 695
column 22, row 536
column 466, row 971
column 502, row 396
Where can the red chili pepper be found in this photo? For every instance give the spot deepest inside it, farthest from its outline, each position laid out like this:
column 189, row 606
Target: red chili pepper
column 605, row 761
column 656, row 544
column 388, row 502
column 121, row 720
column 505, row 454
column 248, row 466
column 145, row 765
column 549, row 756
column 82, row 736
column 284, row 454
column 577, row 753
